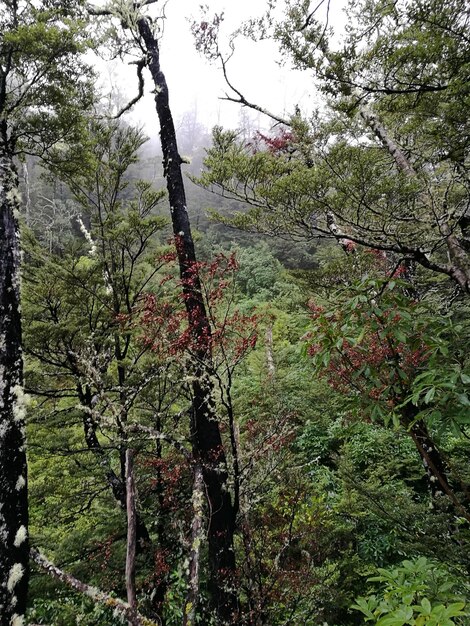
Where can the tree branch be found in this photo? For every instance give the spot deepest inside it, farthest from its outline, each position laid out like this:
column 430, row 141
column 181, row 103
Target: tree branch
column 400, row 159
column 156, row 434
column 310, row 15
column 101, row 12
column 98, row 596
column 140, row 66
column 243, row 101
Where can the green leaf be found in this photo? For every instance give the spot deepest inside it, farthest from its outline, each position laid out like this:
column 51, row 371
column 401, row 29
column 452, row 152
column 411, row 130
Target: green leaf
column 400, row 617
column 429, row 395
column 426, row 606
column 464, row 399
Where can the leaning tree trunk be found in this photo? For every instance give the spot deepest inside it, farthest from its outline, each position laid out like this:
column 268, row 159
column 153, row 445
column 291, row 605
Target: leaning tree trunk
column 433, row 462
column 207, row 443
column 14, row 545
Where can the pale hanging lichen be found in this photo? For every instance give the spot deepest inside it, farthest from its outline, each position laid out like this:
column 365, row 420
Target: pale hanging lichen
column 88, row 237
column 14, row 196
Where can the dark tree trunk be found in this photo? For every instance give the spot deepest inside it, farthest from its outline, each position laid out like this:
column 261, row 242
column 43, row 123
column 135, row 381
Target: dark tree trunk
column 207, row 442
column 433, row 462
column 14, row 545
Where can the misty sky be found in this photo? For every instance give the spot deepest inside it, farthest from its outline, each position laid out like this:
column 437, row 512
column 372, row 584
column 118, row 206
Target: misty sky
column 195, row 84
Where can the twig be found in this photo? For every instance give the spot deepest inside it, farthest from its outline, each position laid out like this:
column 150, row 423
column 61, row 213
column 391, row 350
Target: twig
column 244, row 102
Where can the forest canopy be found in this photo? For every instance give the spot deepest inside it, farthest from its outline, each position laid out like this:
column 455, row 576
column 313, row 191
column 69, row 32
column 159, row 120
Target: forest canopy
column 235, row 384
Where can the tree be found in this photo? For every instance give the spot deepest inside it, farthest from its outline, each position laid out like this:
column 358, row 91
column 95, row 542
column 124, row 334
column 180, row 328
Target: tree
column 42, row 85
column 393, row 357
column 85, row 341
column 208, row 448
column 386, row 166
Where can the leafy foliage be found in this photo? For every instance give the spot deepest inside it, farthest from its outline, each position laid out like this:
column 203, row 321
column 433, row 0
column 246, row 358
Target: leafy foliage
column 417, row 592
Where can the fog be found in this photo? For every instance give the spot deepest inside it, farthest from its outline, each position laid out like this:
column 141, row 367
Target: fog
column 196, row 85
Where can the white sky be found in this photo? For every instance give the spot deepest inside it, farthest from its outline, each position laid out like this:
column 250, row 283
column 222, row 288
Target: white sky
column 194, row 83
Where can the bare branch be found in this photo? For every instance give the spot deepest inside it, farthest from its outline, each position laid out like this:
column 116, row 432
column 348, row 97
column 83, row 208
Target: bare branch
column 309, row 17
column 140, row 66
column 244, row 102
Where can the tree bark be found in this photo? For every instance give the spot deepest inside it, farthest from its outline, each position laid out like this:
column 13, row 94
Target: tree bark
column 197, row 531
column 14, row 545
column 131, row 532
column 208, row 448
column 432, row 460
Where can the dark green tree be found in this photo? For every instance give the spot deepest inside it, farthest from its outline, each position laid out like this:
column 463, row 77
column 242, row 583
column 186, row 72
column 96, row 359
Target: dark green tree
column 83, row 342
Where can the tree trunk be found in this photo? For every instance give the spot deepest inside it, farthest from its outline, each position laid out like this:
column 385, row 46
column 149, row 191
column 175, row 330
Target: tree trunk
column 207, row 442
column 116, row 484
column 197, row 531
column 14, row 545
column 131, row 533
column 433, row 462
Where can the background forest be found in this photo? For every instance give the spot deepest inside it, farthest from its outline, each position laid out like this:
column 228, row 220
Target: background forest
column 246, row 389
